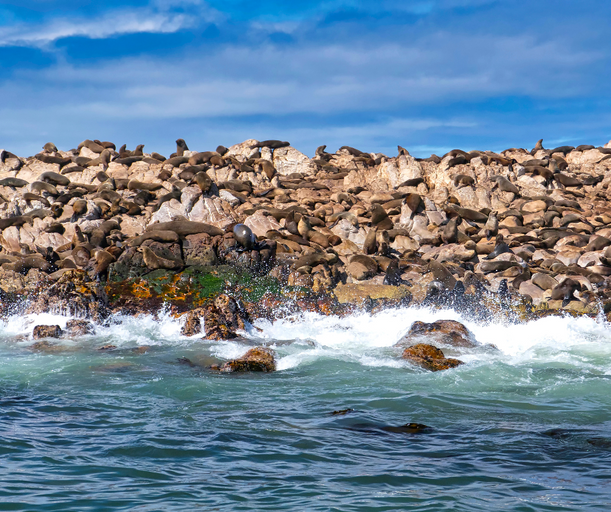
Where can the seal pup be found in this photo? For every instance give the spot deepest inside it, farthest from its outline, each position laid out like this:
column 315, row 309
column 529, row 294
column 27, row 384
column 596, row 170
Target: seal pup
column 565, row 291
column 49, row 147
column 463, row 180
column 245, row 237
column 505, row 185
column 79, row 207
column 29, row 196
column 203, row 181
column 103, row 160
column 379, row 217
column 393, row 274
column 500, row 247
column 103, row 259
column 449, row 234
column 370, row 244
column 492, row 226
column 156, row 262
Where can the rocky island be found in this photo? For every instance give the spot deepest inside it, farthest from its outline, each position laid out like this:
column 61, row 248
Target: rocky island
column 259, row 229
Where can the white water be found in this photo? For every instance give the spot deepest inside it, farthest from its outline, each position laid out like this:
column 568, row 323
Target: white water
column 360, row 338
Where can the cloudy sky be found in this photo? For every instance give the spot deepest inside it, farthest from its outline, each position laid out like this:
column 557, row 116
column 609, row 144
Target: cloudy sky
column 430, row 75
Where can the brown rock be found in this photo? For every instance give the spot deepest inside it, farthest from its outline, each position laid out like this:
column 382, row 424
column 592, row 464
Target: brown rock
column 222, row 318
column 429, row 357
column 46, row 331
column 79, row 327
column 258, row 359
column 445, row 332
column 357, row 293
column 359, row 271
column 192, row 324
column 198, row 250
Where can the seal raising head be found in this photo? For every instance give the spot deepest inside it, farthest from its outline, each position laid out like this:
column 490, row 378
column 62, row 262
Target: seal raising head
column 245, row 237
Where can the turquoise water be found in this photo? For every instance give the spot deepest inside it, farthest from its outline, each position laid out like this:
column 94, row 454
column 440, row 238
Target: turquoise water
column 526, row 427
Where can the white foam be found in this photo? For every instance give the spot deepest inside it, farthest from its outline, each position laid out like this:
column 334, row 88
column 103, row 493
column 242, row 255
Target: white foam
column 362, row 338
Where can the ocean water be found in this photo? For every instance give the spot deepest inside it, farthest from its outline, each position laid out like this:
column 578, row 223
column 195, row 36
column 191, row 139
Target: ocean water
column 524, row 427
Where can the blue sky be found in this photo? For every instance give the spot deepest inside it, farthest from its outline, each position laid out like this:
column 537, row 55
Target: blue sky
column 430, row 75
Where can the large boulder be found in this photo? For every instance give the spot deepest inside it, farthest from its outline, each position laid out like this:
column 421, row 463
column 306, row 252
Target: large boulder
column 444, row 332
column 223, row 318
column 288, row 161
column 214, row 211
column 46, row 331
column 258, row 359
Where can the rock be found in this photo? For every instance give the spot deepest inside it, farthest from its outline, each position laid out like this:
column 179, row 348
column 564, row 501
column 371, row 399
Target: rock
column 11, row 282
column 192, row 325
column 429, row 357
column 532, row 290
column 258, row 359
column 357, row 293
column 198, row 250
column 260, row 224
column 79, row 327
column 544, row 281
column 223, row 318
column 244, row 150
column 213, row 211
column 46, row 331
column 445, row 332
column 288, row 161
column 359, row 271
column 169, row 211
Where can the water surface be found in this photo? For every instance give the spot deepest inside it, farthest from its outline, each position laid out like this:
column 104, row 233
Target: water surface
column 526, row 427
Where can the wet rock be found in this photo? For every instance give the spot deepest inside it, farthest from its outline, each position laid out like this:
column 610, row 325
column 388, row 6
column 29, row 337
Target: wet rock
column 49, row 348
column 429, row 357
column 258, row 359
column 192, row 325
column 223, row 318
column 46, row 331
column 79, row 327
column 444, row 332
column 357, row 293
column 199, row 250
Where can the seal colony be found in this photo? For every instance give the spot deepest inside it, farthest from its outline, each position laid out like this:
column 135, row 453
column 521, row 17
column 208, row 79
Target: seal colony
column 89, row 230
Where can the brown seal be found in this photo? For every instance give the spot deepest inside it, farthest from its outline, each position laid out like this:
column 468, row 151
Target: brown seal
column 156, row 262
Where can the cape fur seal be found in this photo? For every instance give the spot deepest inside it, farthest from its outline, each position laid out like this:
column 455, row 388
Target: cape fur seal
column 271, row 144
column 500, row 248
column 13, row 182
column 185, row 227
column 54, row 178
column 154, row 262
column 92, row 146
column 244, row 236
column 181, row 147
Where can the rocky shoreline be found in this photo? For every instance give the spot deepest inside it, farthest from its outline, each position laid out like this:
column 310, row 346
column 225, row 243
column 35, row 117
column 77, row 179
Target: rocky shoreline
column 261, row 230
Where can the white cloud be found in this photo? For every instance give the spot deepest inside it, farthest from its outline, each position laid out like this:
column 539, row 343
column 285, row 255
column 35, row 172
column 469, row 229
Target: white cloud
column 157, row 19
